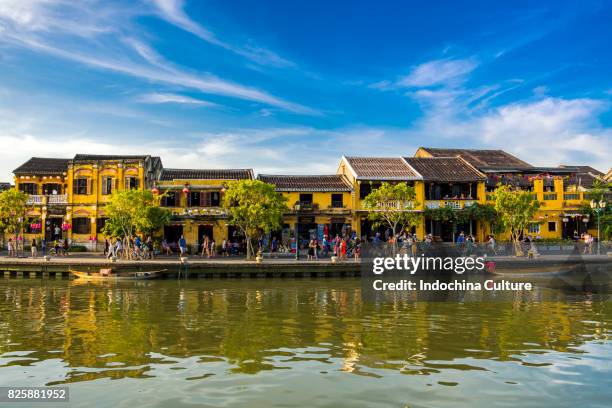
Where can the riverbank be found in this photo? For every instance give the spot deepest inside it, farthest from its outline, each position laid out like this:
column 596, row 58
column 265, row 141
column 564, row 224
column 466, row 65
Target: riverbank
column 236, row 267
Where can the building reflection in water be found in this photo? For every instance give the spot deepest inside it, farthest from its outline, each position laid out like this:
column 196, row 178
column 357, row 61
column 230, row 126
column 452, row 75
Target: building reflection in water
column 120, row 330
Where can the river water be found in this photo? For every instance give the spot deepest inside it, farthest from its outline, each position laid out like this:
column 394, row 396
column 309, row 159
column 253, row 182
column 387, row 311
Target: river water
column 301, row 343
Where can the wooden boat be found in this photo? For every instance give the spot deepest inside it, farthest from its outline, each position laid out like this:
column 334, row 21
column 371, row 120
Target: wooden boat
column 107, row 274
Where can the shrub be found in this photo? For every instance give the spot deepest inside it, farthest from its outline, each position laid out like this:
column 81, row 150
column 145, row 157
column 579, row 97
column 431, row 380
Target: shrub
column 77, row 248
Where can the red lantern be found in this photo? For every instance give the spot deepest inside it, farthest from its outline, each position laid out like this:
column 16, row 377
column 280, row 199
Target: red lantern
column 155, row 190
column 186, row 190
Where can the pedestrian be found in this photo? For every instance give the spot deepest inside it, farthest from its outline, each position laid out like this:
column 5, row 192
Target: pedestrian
column 205, row 247
column 66, row 246
column 150, row 247
column 106, row 246
column 182, row 246
column 212, row 248
column 57, row 232
column 118, row 248
column 491, row 244
column 43, row 247
column 310, row 249
column 9, row 247
column 166, row 247
column 34, row 249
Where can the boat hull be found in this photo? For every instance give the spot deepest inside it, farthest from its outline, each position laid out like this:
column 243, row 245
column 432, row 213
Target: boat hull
column 96, row 276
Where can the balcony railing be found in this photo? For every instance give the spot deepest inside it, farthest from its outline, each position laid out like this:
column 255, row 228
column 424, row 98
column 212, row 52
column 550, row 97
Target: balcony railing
column 58, row 199
column 550, row 196
column 454, row 204
column 573, row 196
column 35, row 200
column 47, row 199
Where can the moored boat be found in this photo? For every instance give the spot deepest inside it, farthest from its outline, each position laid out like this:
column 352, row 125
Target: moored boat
column 106, row 274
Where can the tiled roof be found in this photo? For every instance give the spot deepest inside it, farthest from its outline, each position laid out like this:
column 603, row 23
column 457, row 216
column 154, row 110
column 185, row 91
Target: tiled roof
column 43, row 166
column 381, row 168
column 585, row 176
column 205, row 174
column 445, row 169
column 332, row 182
column 93, row 157
column 482, row 159
column 608, row 176
column 583, row 169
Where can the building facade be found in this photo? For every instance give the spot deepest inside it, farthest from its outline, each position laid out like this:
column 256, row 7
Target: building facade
column 319, row 205
column 194, row 196
column 67, row 197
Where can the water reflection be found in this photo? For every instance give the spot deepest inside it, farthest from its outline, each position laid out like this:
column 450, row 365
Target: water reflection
column 201, row 330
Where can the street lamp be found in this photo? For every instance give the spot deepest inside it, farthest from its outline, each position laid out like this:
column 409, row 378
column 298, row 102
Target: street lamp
column 297, row 231
column 598, row 207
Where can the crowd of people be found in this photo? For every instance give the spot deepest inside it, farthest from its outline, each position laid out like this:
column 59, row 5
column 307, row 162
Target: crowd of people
column 341, row 246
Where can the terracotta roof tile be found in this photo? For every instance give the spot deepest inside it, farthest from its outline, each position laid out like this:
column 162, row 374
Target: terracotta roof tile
column 445, row 169
column 43, row 166
column 331, row 182
column 94, row 157
column 482, row 159
column 381, row 168
column 205, row 174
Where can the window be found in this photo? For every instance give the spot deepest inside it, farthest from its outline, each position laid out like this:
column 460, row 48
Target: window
column 552, row 226
column 131, row 183
column 81, row 225
column 366, row 188
column 52, row 188
column 170, row 199
column 194, row 199
column 33, row 226
column 211, row 199
column 534, row 228
column 336, row 201
column 306, row 198
column 29, row 188
column 107, row 185
column 100, row 223
column 81, row 186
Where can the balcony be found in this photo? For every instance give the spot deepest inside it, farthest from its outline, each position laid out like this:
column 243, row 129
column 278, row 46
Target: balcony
column 396, row 205
column 454, row 204
column 550, row 196
column 48, row 199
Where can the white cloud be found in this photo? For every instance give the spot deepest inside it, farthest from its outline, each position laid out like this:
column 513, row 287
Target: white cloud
column 173, row 12
column 438, row 72
column 42, row 26
column 544, row 132
column 156, row 97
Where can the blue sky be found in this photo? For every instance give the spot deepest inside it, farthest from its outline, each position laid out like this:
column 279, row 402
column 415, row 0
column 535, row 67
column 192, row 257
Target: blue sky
column 288, row 87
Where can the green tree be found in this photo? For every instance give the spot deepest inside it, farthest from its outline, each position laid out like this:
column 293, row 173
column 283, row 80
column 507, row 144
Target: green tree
column 129, row 212
column 515, row 211
column 393, row 206
column 600, row 191
column 253, row 207
column 13, row 208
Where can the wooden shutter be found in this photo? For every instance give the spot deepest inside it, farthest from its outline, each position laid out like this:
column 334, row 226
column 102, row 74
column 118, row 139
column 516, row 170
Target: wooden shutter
column 89, row 185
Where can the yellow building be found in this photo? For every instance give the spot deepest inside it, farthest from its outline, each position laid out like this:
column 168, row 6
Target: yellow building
column 560, row 190
column 319, row 205
column 67, row 196
column 194, row 197
column 366, row 174
column 450, row 182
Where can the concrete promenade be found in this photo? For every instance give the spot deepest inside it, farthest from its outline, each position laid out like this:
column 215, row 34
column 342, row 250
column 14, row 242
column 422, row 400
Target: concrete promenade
column 238, row 267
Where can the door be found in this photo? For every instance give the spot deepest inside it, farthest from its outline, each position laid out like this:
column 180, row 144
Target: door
column 50, row 226
column 204, row 231
column 172, row 234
